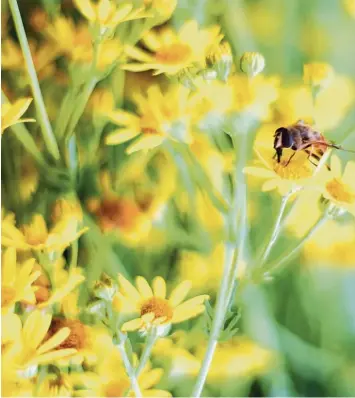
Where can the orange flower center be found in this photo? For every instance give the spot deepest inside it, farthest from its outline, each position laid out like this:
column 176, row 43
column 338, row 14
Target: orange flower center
column 294, row 170
column 77, row 338
column 340, row 191
column 117, row 213
column 158, row 306
column 174, row 54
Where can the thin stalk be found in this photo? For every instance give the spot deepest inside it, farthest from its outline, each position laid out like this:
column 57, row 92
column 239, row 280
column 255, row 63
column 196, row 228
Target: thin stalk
column 276, row 230
column 218, row 320
column 278, row 265
column 151, row 339
column 129, row 369
column 46, row 128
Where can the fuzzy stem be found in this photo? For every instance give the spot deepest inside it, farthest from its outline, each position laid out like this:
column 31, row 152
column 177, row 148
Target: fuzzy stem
column 129, row 369
column 151, row 339
column 276, row 230
column 218, row 319
column 278, row 265
column 46, row 128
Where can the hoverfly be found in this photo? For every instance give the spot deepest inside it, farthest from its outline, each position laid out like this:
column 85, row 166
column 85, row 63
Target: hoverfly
column 302, row 137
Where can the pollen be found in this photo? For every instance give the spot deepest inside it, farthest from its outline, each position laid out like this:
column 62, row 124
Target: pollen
column 293, row 171
column 173, row 54
column 340, row 191
column 158, row 306
column 77, row 338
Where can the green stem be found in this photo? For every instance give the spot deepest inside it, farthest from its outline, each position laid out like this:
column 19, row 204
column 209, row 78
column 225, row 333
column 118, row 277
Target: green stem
column 284, row 260
column 217, row 322
column 74, row 256
column 151, row 339
column 129, row 369
column 46, row 128
column 276, row 230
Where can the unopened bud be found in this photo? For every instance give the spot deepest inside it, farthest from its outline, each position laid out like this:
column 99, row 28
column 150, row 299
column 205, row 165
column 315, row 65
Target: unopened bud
column 252, row 63
column 317, row 74
column 220, row 60
column 105, row 289
column 67, row 207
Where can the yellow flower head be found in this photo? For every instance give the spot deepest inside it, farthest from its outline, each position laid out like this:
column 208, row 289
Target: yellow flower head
column 31, row 346
column 154, row 309
column 17, row 280
column 160, row 116
column 282, row 176
column 172, row 52
column 318, row 74
column 11, row 113
column 339, row 188
column 107, row 14
column 35, row 236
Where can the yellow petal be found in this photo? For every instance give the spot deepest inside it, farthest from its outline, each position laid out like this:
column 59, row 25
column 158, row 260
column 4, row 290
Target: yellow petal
column 137, row 67
column 86, row 8
column 35, row 329
column 259, row 172
column 349, row 174
column 132, row 325
column 180, row 316
column 54, row 341
column 51, row 356
column 270, row 185
column 179, row 293
column 121, row 14
column 8, row 270
column 148, row 318
column 192, row 302
column 119, row 136
column 127, row 289
column 138, row 54
column 335, row 166
column 143, row 287
column 150, row 378
column 145, row 142
column 157, row 393
column 16, row 110
column 103, row 10
column 159, row 287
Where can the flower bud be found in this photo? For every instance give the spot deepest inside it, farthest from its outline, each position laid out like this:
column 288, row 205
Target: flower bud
column 252, row 63
column 105, row 289
column 318, row 74
column 220, row 60
column 67, row 207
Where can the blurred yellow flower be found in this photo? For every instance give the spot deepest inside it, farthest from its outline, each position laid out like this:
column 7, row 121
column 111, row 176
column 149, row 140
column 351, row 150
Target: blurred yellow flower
column 318, row 74
column 152, row 305
column 339, row 188
column 332, row 245
column 349, row 6
column 32, row 347
column 174, row 52
column 11, row 113
column 160, row 117
column 17, row 280
column 35, row 236
column 161, row 9
column 107, row 14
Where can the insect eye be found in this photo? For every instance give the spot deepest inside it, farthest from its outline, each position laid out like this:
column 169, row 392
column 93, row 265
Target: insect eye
column 286, row 137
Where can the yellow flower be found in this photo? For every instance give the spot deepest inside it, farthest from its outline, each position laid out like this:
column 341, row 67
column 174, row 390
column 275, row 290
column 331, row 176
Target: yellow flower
column 237, row 358
column 339, row 188
column 332, row 245
column 63, row 30
column 349, row 6
column 318, row 74
column 16, row 281
column 56, row 385
column 11, row 113
column 107, row 14
column 254, row 97
column 32, row 346
column 280, row 176
column 161, row 9
column 174, row 52
column 152, row 305
column 35, row 236
column 160, row 117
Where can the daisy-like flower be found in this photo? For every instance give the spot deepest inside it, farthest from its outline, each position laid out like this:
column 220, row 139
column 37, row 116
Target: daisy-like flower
column 32, row 347
column 318, row 74
column 17, row 280
column 282, row 176
column 338, row 187
column 159, row 117
column 153, row 307
column 171, row 52
column 107, row 14
column 11, row 113
column 35, row 236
